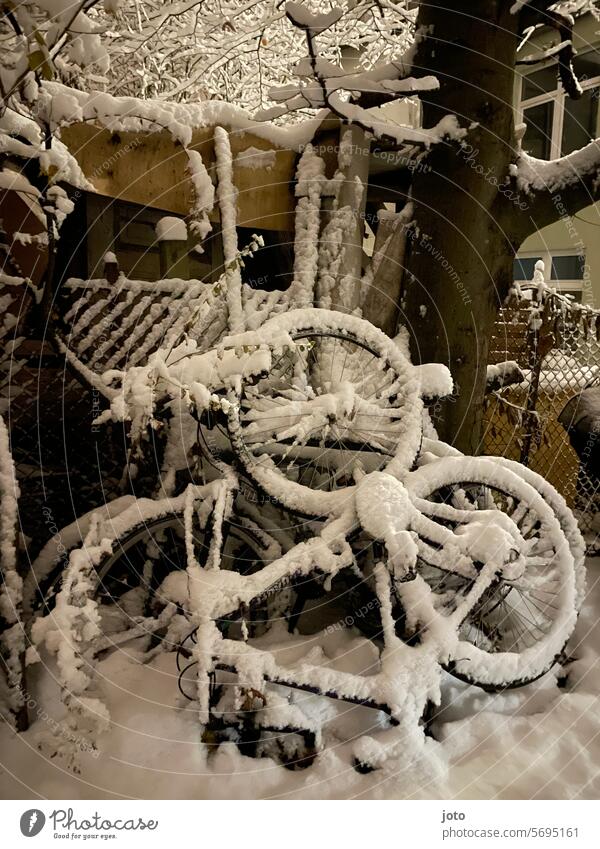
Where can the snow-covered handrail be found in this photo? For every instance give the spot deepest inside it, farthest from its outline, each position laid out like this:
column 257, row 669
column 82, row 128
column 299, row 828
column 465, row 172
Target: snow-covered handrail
column 227, row 198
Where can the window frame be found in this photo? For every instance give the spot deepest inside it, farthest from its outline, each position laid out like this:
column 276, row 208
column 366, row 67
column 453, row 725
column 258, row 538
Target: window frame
column 557, row 97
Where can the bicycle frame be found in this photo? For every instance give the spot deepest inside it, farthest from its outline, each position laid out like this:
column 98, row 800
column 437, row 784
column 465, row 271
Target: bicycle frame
column 223, row 594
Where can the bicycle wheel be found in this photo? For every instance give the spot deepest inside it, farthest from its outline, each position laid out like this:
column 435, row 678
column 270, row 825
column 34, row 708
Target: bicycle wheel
column 566, row 520
column 554, row 499
column 129, row 580
column 519, row 627
column 342, row 397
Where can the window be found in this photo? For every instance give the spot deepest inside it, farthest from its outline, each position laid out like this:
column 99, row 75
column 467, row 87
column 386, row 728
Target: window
column 540, row 82
column 538, row 137
column 523, row 268
column 587, row 66
column 563, row 271
column 557, row 125
column 569, row 267
column 580, row 120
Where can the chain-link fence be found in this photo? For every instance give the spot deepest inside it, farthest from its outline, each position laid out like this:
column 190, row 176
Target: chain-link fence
column 549, row 420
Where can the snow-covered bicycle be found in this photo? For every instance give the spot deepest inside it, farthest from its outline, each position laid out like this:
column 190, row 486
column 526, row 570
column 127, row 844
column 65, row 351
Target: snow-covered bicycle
column 466, row 565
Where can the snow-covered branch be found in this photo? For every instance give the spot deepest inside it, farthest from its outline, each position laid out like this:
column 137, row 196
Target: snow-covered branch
column 327, row 85
column 535, row 14
column 247, row 47
column 557, row 188
column 555, row 175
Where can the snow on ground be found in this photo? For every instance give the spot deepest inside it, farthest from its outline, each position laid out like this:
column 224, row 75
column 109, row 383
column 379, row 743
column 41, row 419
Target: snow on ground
column 541, row 741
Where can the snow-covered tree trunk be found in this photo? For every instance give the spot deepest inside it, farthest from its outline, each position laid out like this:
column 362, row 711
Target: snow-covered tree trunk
column 459, row 254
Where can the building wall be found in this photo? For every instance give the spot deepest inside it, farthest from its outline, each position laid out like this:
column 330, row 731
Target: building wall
column 565, row 236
